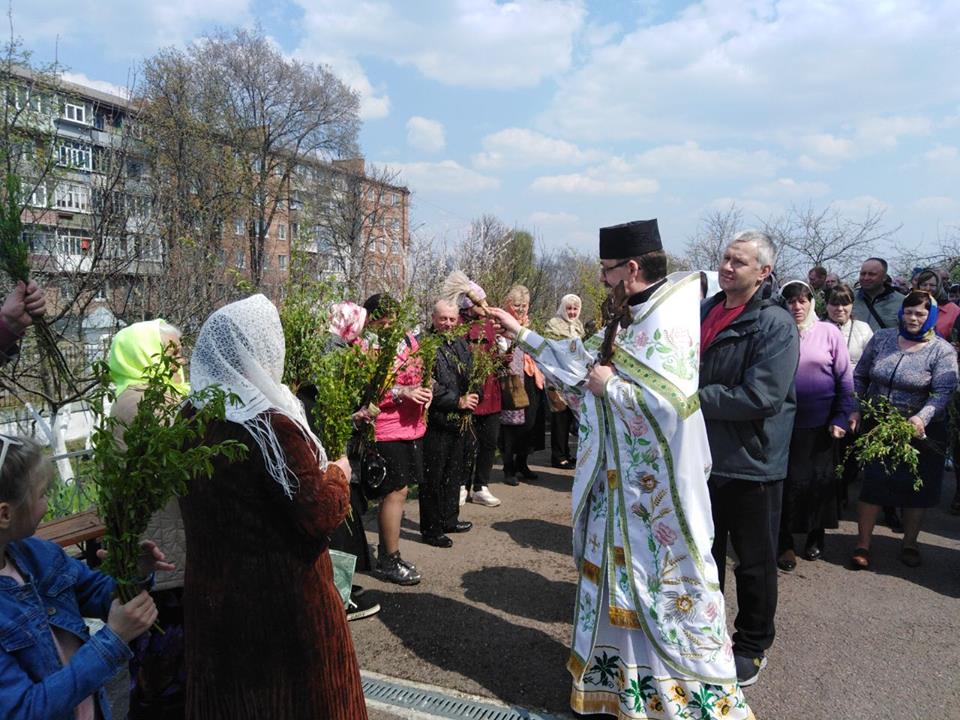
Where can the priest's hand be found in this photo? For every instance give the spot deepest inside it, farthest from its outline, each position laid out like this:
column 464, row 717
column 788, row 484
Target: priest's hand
column 507, row 322
column 597, row 378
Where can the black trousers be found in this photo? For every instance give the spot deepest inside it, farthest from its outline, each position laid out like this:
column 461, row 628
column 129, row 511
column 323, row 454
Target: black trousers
column 481, row 449
column 440, row 491
column 560, row 435
column 748, row 512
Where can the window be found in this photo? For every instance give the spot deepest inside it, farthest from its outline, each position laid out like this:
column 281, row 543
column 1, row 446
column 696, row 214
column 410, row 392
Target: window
column 383, row 244
column 75, row 155
column 42, row 240
column 38, row 198
column 394, row 246
column 241, row 259
column 294, row 231
column 238, row 226
column 73, row 241
column 281, row 262
column 282, row 232
column 72, row 197
column 77, row 113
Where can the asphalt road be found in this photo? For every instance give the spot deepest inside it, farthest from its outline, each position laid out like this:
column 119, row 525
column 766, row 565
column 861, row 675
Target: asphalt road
column 492, row 616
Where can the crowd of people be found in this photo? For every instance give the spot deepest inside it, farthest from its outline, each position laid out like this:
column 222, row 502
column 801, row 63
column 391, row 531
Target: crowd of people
column 701, row 422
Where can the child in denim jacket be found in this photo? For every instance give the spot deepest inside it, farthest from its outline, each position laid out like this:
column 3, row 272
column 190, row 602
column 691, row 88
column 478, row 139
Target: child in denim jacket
column 51, row 668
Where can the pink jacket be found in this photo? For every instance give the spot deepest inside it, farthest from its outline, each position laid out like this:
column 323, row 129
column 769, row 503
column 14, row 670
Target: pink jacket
column 403, row 420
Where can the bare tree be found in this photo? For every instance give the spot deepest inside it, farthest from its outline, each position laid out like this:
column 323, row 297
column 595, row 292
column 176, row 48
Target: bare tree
column 717, row 228
column 806, row 236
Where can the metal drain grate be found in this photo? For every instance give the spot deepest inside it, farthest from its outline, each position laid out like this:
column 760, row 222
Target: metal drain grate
column 439, row 704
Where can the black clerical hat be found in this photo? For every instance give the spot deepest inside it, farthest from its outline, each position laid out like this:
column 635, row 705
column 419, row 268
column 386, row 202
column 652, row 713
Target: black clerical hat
column 629, row 239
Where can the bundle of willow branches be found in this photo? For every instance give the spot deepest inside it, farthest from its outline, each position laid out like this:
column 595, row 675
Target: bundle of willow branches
column 888, row 441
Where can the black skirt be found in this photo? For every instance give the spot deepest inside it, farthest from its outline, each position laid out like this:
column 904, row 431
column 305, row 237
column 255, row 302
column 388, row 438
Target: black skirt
column 810, row 488
column 881, row 487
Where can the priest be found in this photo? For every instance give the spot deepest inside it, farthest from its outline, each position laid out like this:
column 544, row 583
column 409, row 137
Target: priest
column 650, row 636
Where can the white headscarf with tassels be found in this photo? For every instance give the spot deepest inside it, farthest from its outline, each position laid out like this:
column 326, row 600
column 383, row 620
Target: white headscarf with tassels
column 241, row 349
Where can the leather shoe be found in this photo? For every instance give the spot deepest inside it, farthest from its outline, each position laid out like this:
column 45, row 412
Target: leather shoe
column 527, row 474
column 440, row 541
column 812, row 553
column 462, row 526
column 510, row 480
column 562, row 464
column 787, row 561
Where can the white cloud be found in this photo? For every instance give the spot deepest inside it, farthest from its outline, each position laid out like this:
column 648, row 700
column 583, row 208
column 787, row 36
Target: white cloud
column 788, row 188
column 426, row 135
column 540, row 218
column 129, row 29
column 720, row 69
column 749, row 207
column 101, row 85
column 374, row 103
column 885, row 132
column 939, row 204
column 446, row 176
column 519, row 148
column 587, row 185
column 691, row 160
column 859, row 205
column 827, row 147
column 942, row 153
column 475, row 43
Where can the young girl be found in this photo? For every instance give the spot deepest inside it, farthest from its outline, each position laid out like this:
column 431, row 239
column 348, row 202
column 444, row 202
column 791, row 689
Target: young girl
column 50, row 666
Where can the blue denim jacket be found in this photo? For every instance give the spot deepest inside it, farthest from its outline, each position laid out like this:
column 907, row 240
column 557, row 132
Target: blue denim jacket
column 58, row 591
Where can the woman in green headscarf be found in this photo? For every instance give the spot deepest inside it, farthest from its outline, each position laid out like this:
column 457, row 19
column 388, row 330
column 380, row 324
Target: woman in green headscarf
column 157, row 668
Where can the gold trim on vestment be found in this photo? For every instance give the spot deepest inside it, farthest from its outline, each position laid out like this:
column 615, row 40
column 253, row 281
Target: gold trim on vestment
column 590, row 571
column 619, row 557
column 621, row 617
column 595, row 701
column 613, row 480
column 576, row 666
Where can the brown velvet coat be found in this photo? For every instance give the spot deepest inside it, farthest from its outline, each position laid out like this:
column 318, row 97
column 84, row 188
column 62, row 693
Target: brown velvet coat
column 266, row 631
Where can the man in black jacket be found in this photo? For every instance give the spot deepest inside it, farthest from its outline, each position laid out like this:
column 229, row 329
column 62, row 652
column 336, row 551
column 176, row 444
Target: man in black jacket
column 749, row 350
column 443, row 442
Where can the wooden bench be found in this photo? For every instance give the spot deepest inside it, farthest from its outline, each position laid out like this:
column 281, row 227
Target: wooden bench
column 73, row 529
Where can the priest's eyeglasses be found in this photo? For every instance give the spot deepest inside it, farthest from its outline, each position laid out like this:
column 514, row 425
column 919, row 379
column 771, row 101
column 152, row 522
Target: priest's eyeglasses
column 604, row 270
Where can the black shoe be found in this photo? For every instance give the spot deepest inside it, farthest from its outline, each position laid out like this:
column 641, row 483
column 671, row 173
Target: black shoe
column 360, row 607
column 440, row 541
column 510, row 480
column 812, row 552
column 527, row 474
column 786, row 564
column 393, row 569
column 748, row 669
column 462, row 526
column 356, row 591
column 562, row 464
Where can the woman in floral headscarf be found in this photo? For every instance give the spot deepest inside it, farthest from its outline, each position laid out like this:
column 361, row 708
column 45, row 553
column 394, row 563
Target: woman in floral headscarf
column 565, row 324
column 157, row 672
column 267, row 636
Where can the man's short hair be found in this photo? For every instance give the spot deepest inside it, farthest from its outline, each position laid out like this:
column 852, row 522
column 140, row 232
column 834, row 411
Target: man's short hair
column 653, row 265
column 883, row 263
column 766, row 250
column 819, row 271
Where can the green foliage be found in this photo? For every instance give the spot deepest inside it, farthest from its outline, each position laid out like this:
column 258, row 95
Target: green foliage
column 161, row 450
column 340, row 377
column 65, row 498
column 14, row 250
column 390, row 333
column 889, row 440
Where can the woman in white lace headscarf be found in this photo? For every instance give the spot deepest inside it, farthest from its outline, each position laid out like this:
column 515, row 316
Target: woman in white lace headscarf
column 266, row 634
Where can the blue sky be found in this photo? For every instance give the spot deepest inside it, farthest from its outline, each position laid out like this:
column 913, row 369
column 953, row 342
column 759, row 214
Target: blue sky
column 567, row 115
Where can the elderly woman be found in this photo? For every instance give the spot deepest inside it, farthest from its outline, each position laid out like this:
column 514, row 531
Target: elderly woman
column 564, row 325
column 917, row 372
column 266, row 633
column 825, row 411
column 930, row 281
column 517, row 425
column 157, row 674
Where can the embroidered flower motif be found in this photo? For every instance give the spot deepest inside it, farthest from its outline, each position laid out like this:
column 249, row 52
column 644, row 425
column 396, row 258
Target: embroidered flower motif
column 727, row 648
column 654, row 703
column 678, row 693
column 641, row 339
column 665, row 534
column 640, row 511
column 648, row 483
column 679, row 338
column 711, row 612
column 574, row 402
column 638, row 425
column 680, row 606
column 723, row 706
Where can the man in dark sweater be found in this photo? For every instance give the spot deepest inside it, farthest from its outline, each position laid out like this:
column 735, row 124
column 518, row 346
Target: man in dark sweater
column 749, row 350
column 443, row 442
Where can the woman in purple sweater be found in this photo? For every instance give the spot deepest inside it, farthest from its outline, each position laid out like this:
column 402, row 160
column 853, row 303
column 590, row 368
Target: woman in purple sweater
column 826, row 410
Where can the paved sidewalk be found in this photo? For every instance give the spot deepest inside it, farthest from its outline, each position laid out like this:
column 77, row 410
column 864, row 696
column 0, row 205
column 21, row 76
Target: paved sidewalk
column 492, row 616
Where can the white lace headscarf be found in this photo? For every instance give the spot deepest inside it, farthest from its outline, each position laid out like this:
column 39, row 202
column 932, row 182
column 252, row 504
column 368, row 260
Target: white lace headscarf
column 241, row 349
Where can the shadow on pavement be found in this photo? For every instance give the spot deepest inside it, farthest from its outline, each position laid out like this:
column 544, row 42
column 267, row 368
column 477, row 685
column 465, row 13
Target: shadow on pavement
column 544, row 600
column 538, row 534
column 936, row 573
column 514, row 663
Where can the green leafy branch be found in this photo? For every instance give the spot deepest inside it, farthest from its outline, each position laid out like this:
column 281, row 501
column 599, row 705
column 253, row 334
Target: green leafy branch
column 141, row 465
column 889, row 441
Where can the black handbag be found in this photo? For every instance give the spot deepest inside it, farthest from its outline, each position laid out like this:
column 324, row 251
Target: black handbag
column 373, row 469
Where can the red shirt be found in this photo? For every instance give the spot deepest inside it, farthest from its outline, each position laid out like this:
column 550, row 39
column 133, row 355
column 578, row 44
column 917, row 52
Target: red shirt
column 716, row 320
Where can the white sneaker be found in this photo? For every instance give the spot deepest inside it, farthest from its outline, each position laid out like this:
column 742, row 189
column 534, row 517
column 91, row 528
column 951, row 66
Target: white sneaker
column 463, row 495
column 484, row 497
